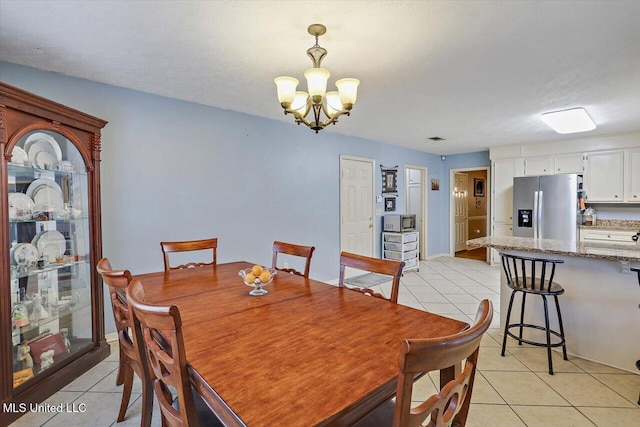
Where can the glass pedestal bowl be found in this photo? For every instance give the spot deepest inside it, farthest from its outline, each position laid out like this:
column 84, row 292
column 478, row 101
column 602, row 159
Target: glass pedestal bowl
column 251, row 280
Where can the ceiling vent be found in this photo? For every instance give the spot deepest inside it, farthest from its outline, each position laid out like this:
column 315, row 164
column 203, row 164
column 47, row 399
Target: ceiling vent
column 436, row 138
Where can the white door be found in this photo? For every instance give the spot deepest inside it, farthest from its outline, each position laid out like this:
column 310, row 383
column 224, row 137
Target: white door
column 461, row 213
column 356, row 205
column 414, row 195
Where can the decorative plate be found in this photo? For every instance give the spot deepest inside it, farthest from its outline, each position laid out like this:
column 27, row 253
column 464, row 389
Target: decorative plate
column 51, row 237
column 24, row 204
column 46, row 138
column 18, row 155
column 25, row 253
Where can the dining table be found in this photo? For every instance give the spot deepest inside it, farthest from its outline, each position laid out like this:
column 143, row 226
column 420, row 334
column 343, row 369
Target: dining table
column 306, row 353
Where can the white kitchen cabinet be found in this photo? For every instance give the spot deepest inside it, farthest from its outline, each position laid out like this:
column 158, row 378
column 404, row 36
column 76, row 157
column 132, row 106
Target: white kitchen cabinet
column 538, row 166
column 568, row 163
column 503, row 171
column 605, row 177
column 402, row 247
column 632, row 178
column 500, row 230
column 603, row 235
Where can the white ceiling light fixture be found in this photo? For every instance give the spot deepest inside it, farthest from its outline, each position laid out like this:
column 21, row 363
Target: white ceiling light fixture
column 331, row 104
column 573, row 120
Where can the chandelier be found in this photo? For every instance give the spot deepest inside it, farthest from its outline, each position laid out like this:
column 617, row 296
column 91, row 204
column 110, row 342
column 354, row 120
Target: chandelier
column 330, row 104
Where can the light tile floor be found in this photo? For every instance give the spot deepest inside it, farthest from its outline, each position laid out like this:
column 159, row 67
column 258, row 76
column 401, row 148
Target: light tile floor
column 510, row 391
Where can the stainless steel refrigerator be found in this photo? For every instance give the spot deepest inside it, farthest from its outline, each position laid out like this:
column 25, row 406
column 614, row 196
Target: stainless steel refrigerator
column 546, row 206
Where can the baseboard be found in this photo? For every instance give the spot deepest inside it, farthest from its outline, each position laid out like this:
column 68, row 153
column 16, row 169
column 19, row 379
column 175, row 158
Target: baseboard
column 111, row 337
column 430, row 257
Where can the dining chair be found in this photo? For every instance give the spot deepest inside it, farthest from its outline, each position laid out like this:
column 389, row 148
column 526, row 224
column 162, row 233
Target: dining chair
column 420, row 356
column 375, row 265
column 158, row 329
column 131, row 357
column 295, row 250
column 188, row 246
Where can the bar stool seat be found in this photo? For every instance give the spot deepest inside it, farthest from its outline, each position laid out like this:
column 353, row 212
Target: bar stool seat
column 533, row 276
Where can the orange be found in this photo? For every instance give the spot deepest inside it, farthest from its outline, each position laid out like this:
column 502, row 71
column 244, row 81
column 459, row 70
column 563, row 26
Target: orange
column 249, row 278
column 257, row 270
column 265, row 276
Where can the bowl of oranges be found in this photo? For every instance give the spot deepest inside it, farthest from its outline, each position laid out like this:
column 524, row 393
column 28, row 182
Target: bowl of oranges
column 257, row 276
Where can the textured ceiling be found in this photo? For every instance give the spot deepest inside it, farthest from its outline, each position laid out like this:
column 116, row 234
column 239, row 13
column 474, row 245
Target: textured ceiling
column 477, row 73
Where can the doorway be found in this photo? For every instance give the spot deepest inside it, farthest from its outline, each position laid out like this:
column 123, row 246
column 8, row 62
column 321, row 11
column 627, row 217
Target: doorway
column 415, row 197
column 469, row 211
column 357, row 205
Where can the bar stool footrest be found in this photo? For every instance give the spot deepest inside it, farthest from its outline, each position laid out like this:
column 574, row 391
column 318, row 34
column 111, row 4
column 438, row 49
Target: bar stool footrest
column 536, row 343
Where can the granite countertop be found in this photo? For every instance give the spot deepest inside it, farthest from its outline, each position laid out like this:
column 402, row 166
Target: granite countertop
column 610, row 251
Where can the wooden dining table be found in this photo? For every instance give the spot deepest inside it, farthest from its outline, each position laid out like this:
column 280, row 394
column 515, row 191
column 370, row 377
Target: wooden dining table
column 306, row 353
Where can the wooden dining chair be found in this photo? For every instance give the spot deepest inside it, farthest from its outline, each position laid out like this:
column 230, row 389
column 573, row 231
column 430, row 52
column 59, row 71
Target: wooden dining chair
column 295, row 250
column 420, row 356
column 158, row 329
column 188, row 246
column 131, row 357
column 375, row 265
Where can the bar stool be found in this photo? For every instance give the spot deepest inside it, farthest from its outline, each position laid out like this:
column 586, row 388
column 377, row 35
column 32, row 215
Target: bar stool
column 637, row 270
column 521, row 277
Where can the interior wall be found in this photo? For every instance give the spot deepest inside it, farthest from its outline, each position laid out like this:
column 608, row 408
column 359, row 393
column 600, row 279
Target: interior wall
column 175, row 170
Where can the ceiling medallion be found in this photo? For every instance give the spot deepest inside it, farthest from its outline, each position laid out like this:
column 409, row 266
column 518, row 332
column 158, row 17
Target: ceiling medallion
column 330, row 104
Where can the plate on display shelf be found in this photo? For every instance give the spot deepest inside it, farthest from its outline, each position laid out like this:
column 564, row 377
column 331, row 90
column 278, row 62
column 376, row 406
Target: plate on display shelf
column 46, row 160
column 47, row 199
column 25, row 253
column 40, row 182
column 22, row 203
column 45, row 138
column 19, row 156
column 51, row 252
column 37, row 148
column 51, row 237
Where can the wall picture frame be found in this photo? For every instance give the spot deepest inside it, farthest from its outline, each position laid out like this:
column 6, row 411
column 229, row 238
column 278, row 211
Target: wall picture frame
column 389, row 180
column 435, row 185
column 478, row 187
column 389, row 204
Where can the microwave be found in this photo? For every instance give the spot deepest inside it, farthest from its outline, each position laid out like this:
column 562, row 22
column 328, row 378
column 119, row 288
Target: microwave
column 399, row 223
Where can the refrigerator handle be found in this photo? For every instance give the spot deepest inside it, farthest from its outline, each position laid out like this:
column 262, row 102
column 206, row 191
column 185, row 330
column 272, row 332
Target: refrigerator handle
column 540, row 214
column 535, row 214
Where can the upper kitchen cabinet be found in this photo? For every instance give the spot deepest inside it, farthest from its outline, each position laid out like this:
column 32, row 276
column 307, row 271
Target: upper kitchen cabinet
column 568, row 163
column 51, row 299
column 632, row 180
column 605, row 177
column 534, row 166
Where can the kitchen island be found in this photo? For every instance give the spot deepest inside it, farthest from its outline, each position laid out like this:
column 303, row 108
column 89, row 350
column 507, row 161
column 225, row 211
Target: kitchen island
column 600, row 305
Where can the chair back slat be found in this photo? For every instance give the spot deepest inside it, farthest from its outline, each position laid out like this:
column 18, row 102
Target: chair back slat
column 422, row 356
column 160, row 330
column 118, row 281
column 189, row 246
column 305, row 252
column 516, row 269
column 387, row 267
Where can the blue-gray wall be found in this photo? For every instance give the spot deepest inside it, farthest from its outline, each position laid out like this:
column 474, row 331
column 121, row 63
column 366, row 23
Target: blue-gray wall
column 175, row 170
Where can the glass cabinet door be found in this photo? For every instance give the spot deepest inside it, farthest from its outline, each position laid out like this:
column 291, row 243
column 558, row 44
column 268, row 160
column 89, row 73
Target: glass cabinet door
column 51, row 316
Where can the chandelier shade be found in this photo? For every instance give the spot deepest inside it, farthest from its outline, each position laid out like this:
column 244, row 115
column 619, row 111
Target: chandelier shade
column 286, row 89
column 331, row 105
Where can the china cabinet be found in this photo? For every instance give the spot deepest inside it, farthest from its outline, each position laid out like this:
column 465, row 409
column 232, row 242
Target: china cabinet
column 51, row 300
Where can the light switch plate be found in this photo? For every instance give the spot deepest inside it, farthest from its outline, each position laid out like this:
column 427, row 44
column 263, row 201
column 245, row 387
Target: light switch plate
column 378, row 199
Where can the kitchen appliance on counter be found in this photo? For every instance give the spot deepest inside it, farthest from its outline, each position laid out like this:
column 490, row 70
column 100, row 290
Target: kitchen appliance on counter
column 399, row 223
column 547, row 206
